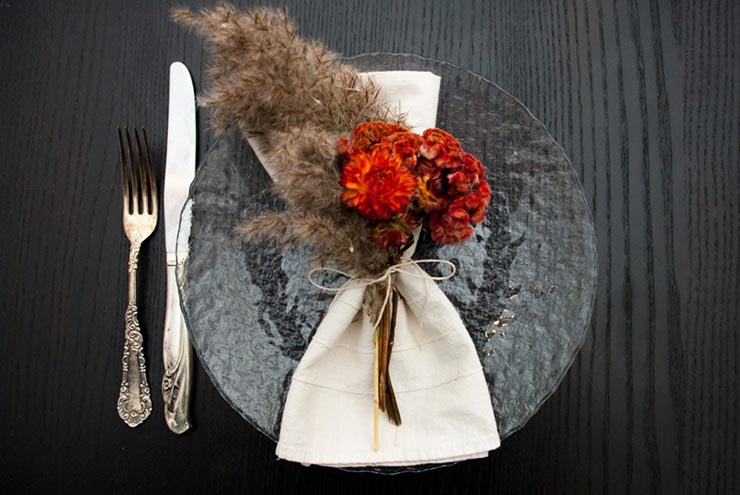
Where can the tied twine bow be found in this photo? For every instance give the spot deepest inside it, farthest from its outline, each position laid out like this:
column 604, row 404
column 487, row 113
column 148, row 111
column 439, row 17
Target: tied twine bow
column 384, row 326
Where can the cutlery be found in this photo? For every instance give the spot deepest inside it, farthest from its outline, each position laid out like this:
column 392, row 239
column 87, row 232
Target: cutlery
column 139, row 220
column 180, row 171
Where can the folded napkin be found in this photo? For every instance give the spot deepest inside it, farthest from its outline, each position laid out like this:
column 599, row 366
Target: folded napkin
column 440, row 388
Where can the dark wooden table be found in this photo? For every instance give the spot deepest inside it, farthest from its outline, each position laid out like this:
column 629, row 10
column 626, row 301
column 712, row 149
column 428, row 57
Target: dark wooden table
column 644, row 95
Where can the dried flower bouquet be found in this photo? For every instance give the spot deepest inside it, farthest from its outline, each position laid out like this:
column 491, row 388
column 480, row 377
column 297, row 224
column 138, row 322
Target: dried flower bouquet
column 358, row 185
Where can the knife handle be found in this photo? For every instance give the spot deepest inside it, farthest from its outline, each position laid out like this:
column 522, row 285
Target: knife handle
column 177, row 356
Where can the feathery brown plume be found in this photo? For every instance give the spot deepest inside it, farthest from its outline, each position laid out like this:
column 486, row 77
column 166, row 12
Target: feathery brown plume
column 266, row 78
column 292, row 98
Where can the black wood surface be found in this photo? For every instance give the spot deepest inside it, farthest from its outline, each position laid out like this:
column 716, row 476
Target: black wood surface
column 644, row 95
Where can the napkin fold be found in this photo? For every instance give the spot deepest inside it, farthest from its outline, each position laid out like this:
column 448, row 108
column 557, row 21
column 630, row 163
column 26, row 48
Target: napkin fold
column 414, row 93
column 440, row 387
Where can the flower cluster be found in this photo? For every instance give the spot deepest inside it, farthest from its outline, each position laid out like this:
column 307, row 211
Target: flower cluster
column 399, row 180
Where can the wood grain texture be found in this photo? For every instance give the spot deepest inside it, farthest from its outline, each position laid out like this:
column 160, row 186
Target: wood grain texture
column 642, row 94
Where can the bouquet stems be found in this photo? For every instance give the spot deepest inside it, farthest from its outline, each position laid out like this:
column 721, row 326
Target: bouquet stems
column 376, row 389
column 384, row 396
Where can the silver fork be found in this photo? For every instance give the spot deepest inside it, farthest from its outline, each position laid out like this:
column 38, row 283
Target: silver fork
column 139, row 220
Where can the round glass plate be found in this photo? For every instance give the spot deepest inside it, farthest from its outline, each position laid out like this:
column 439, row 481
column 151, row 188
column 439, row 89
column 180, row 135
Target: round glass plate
column 524, row 287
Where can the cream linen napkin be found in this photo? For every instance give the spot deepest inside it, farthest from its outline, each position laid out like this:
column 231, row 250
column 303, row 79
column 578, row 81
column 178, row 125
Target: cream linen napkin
column 440, row 388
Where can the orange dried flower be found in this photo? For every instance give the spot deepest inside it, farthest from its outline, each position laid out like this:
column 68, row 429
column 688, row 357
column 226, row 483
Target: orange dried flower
column 377, row 184
column 390, row 235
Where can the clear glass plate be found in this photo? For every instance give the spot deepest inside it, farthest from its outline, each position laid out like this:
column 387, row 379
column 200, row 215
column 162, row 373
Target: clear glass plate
column 525, row 284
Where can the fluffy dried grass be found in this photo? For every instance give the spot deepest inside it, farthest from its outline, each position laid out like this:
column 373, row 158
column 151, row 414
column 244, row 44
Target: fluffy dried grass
column 293, row 97
column 264, row 77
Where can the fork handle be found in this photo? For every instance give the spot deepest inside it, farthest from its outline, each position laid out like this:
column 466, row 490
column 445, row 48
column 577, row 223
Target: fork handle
column 134, row 399
column 177, row 356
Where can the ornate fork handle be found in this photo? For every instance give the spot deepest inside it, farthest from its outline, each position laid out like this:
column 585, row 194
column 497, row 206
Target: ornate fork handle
column 134, row 399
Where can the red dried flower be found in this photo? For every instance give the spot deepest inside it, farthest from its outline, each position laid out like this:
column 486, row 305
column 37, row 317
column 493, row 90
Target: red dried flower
column 477, row 202
column 441, row 147
column 405, row 144
column 452, row 189
column 450, row 227
column 453, row 225
column 367, row 134
column 466, row 178
column 377, row 184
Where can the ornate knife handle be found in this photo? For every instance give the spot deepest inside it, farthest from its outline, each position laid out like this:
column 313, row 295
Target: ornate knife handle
column 177, row 355
column 134, row 400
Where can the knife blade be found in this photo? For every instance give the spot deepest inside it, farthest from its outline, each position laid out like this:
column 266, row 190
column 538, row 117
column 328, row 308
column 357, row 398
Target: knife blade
column 179, row 173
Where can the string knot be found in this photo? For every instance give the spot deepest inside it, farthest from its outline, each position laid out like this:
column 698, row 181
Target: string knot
column 385, row 277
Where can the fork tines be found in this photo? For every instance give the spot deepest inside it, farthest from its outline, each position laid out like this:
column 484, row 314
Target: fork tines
column 139, row 184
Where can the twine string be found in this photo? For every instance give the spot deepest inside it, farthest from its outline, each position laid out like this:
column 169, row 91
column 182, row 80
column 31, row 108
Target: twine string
column 386, row 277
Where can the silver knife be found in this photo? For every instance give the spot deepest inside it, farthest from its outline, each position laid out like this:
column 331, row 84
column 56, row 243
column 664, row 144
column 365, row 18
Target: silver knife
column 180, row 171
